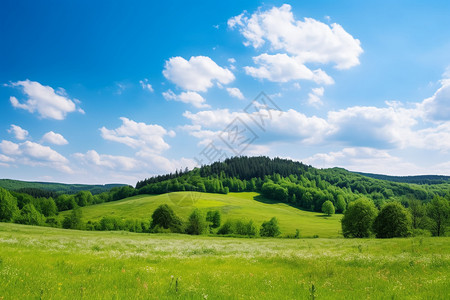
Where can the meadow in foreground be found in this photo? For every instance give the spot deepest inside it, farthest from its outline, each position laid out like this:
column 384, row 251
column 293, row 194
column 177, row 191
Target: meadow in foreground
column 47, row 263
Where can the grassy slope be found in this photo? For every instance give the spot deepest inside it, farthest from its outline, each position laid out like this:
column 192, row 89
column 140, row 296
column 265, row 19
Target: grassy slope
column 48, row 263
column 233, row 205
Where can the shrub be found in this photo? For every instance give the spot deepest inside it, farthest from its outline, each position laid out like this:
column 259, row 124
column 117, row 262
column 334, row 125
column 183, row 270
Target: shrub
column 214, row 217
column 358, row 219
column 270, row 228
column 166, row 218
column 196, row 223
column 392, row 221
column 73, row 221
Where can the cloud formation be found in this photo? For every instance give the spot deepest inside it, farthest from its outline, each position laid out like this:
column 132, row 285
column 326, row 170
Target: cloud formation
column 18, row 132
column 54, row 138
column 44, row 100
column 197, row 74
column 193, row 98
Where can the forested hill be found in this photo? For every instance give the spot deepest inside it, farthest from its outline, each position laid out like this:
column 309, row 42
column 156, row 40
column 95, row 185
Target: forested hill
column 289, row 181
column 51, row 189
column 419, row 179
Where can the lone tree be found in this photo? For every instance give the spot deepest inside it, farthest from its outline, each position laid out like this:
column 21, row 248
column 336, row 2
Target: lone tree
column 392, row 221
column 270, row 228
column 358, row 219
column 166, row 218
column 439, row 212
column 328, row 208
column 197, row 223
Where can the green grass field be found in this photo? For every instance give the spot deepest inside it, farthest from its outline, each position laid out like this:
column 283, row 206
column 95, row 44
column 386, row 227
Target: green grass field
column 49, row 263
column 234, row 205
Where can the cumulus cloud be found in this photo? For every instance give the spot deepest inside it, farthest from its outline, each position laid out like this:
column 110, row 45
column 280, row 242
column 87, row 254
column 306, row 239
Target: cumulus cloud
column 145, row 85
column 54, row 138
column 18, row 132
column 314, row 98
column 284, row 68
column 197, row 74
column 193, row 98
column 112, row 162
column 138, row 135
column 44, row 100
column 309, row 40
column 34, row 154
column 437, row 107
column 235, row 93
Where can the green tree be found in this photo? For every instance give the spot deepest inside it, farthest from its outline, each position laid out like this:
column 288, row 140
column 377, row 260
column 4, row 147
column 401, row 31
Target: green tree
column 48, row 207
column 30, row 216
column 166, row 218
column 438, row 211
column 8, row 206
column 214, row 217
column 358, row 219
column 340, row 204
column 392, row 221
column 417, row 211
column 328, row 208
column 270, row 228
column 196, row 223
column 74, row 220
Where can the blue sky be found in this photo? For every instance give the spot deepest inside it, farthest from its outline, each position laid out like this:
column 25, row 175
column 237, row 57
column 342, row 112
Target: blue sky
column 117, row 91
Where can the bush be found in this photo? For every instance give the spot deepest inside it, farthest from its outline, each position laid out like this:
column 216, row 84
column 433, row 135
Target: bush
column 196, row 223
column 270, row 228
column 214, row 217
column 73, row 221
column 392, row 221
column 166, row 218
column 227, row 228
column 358, row 219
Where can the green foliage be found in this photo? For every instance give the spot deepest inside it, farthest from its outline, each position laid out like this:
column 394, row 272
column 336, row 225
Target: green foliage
column 196, row 223
column 270, row 228
column 438, row 211
column 358, row 219
column 74, row 220
column 214, row 217
column 238, row 227
column 417, row 211
column 8, row 206
column 165, row 217
column 392, row 221
column 30, row 216
column 340, row 204
column 328, row 208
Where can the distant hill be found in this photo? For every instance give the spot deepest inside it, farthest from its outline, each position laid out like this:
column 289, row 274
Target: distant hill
column 58, row 188
column 419, row 179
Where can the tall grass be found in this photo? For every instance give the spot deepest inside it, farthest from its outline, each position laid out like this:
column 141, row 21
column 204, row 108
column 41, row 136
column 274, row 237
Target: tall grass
column 47, row 263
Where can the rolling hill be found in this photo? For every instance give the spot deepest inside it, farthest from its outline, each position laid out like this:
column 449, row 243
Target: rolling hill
column 246, row 205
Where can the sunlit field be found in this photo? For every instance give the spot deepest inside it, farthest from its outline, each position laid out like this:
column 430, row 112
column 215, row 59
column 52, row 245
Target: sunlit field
column 48, row 263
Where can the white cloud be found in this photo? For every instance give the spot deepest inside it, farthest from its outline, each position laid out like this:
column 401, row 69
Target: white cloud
column 145, row 85
column 309, row 40
column 283, row 68
column 54, row 138
column 18, row 132
column 112, row 162
column 138, row 135
column 197, row 74
column 315, row 95
column 437, row 107
column 193, row 98
column 44, row 100
column 34, row 154
column 6, row 159
column 235, row 92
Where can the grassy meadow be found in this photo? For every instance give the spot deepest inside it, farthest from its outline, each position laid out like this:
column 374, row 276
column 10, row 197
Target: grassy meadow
column 49, row 263
column 243, row 206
